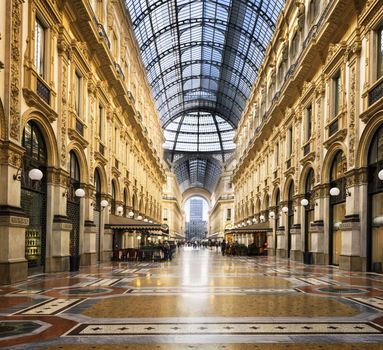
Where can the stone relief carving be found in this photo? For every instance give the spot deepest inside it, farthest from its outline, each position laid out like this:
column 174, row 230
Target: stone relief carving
column 351, row 124
column 15, row 69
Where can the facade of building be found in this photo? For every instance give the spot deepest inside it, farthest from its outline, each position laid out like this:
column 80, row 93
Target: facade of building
column 196, row 230
column 173, row 215
column 309, row 145
column 74, row 104
column 196, row 208
column 221, row 215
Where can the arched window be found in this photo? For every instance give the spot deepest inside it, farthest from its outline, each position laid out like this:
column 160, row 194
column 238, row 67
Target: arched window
column 35, row 155
column 97, row 185
column 375, row 207
column 338, row 167
column 113, row 198
column 125, row 202
column 309, row 182
column 33, row 194
column 74, row 167
column 74, row 176
column 337, row 206
column 375, row 154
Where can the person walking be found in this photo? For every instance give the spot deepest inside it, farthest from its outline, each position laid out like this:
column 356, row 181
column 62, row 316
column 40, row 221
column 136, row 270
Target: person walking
column 223, row 247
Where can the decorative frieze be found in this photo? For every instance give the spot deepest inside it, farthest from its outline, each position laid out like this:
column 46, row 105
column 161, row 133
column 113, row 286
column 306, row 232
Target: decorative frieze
column 15, row 78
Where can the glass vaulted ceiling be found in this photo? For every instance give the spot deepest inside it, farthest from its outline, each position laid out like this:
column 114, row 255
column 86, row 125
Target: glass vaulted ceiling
column 202, row 59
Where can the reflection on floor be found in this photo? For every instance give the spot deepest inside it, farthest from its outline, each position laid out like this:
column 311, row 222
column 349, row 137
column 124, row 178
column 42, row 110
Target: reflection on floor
column 200, row 300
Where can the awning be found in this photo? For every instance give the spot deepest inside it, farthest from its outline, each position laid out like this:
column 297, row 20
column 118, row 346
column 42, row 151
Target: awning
column 127, row 224
column 260, row 227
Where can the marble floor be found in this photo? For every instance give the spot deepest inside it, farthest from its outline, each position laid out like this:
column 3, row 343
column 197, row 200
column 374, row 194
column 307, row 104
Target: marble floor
column 200, row 300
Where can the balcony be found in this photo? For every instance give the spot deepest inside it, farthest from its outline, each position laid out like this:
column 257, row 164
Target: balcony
column 376, row 93
column 306, row 149
column 102, row 32
column 333, row 128
column 119, row 70
column 80, row 127
column 131, row 98
column 43, row 91
column 101, row 149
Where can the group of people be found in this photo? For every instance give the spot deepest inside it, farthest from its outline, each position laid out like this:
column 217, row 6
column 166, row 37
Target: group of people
column 166, row 249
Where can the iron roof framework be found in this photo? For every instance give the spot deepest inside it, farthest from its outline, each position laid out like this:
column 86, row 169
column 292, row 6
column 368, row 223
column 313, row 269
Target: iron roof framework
column 202, row 58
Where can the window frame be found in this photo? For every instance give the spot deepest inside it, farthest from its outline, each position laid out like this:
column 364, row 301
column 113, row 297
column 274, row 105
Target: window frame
column 78, row 92
column 42, row 64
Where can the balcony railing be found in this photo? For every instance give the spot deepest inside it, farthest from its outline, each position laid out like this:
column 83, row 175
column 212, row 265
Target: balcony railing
column 333, row 128
column 101, row 148
column 131, row 98
column 119, row 70
column 375, row 94
column 306, row 149
column 43, row 91
column 80, row 127
column 102, row 32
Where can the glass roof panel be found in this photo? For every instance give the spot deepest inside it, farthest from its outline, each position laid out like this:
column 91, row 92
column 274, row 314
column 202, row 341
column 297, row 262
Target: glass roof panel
column 202, row 58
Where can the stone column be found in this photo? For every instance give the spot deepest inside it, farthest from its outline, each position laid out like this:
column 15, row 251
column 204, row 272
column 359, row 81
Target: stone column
column 58, row 225
column 319, row 241
column 13, row 265
column 89, row 255
column 353, row 258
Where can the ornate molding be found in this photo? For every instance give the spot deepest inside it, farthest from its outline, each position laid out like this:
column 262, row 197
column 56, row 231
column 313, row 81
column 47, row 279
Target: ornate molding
column 15, row 78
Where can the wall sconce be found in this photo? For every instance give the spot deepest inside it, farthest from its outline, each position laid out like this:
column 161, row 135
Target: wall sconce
column 271, row 215
column 248, row 222
column 80, row 193
column 151, row 221
column 380, row 175
column 149, row 239
column 35, row 174
column 146, row 220
column 138, row 237
column 120, row 210
column 285, row 210
column 304, row 202
column 335, row 191
column 17, row 176
column 131, row 214
column 139, row 217
column 254, row 220
column 262, row 218
column 104, row 203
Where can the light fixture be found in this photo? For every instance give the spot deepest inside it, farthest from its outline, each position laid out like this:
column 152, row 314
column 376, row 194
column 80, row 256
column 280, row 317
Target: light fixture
column 380, row 175
column 131, row 214
column 285, row 210
column 138, row 237
column 120, row 209
column 35, row 174
column 151, row 221
column 149, row 239
column 139, row 217
column 17, row 176
column 104, row 203
column 248, row 222
column 146, row 220
column 254, row 220
column 79, row 193
column 335, row 191
column 272, row 215
column 262, row 217
column 304, row 202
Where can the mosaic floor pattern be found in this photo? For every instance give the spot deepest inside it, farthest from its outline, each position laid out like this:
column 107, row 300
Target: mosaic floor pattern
column 200, row 300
